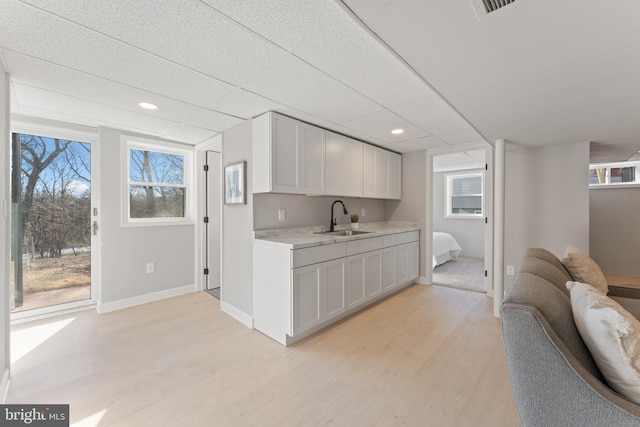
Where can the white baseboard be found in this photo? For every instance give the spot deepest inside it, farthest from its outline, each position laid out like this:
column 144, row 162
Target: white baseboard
column 4, row 386
column 422, row 280
column 106, row 307
column 237, row 314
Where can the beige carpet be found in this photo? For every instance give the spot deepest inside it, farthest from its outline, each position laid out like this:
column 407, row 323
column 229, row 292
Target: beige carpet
column 461, row 273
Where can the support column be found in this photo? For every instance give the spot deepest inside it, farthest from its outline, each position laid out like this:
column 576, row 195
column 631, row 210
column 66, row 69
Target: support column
column 498, row 227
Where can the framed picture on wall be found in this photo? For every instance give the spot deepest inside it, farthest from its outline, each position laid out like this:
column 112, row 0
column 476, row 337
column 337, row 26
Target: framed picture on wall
column 235, row 183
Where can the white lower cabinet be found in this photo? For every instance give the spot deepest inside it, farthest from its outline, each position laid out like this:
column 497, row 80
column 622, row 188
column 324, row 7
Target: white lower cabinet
column 306, row 291
column 389, row 268
column 334, row 283
column 407, row 262
column 373, row 274
column 299, row 291
column 355, row 280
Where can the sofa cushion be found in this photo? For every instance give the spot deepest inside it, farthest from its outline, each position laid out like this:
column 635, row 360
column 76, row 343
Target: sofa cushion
column 612, row 335
column 583, row 269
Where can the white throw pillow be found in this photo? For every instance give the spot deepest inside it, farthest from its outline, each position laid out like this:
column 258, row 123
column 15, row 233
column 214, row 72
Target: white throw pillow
column 612, row 335
column 583, row 269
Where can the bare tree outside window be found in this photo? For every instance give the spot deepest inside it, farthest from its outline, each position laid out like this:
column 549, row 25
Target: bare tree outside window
column 157, row 187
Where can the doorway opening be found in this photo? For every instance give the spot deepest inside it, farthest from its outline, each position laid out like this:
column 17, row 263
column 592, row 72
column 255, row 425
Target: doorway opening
column 53, row 221
column 461, row 201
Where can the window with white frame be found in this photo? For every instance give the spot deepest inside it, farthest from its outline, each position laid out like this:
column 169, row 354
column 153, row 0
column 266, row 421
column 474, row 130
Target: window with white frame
column 614, row 174
column 464, row 195
column 158, row 189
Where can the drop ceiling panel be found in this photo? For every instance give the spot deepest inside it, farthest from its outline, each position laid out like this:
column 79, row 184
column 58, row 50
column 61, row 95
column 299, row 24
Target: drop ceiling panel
column 189, row 33
column 280, row 21
column 68, row 109
column 94, row 54
column 380, row 124
column 345, row 51
column 432, row 115
column 295, row 83
column 89, row 88
column 421, row 144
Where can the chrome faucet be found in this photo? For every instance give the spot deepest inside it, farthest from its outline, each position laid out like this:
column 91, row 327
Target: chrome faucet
column 333, row 219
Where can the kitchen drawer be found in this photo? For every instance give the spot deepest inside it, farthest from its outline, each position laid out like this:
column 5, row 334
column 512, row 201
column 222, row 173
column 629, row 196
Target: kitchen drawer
column 316, row 254
column 410, row 236
column 363, row 245
column 389, row 240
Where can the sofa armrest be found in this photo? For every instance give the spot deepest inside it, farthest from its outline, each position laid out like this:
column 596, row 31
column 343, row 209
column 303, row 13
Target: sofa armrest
column 624, row 291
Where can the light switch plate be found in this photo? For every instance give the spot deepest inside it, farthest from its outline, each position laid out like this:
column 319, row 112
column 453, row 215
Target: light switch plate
column 282, row 214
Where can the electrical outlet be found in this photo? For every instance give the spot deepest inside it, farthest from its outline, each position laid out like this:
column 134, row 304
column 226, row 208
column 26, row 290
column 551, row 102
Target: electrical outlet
column 363, row 212
column 511, row 270
column 151, row 267
column 282, row 214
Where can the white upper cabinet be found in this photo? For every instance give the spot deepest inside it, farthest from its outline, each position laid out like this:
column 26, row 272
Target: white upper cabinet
column 335, row 164
column 395, row 176
column 290, row 156
column 353, row 167
column 369, row 171
column 382, row 173
column 312, row 158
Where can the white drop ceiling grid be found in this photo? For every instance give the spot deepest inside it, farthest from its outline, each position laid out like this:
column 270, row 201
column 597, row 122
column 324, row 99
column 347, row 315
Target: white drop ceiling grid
column 210, row 64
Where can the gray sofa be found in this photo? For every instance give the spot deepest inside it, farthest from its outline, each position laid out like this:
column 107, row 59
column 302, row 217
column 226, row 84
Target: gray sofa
column 554, row 378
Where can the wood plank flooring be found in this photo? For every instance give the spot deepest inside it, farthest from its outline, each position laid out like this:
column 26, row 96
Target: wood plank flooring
column 427, row 356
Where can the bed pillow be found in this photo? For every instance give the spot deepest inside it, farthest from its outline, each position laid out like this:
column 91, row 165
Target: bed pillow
column 583, row 269
column 612, row 335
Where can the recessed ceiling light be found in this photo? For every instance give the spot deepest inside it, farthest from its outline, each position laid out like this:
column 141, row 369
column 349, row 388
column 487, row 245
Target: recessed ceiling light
column 148, row 106
column 397, row 131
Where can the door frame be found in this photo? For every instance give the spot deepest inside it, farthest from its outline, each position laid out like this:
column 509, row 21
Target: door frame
column 79, row 133
column 488, row 206
column 212, row 144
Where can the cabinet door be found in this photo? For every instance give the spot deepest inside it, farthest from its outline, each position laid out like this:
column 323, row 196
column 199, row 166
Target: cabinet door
column 334, row 288
column 413, row 261
column 305, row 297
column 355, row 280
column 311, row 163
column 402, row 264
column 395, row 176
column 389, row 268
column 369, row 171
column 335, row 164
column 382, row 173
column 373, row 274
column 284, row 155
column 353, row 168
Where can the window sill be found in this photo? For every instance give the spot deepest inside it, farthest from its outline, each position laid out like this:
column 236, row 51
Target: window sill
column 157, row 223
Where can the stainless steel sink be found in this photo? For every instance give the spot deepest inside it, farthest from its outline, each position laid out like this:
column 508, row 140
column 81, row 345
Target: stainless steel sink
column 343, row 232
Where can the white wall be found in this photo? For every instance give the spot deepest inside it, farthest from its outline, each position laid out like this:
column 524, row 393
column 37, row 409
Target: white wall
column 613, row 232
column 547, row 200
column 413, row 206
column 127, row 250
column 469, row 232
column 236, row 290
column 304, row 211
column 5, row 232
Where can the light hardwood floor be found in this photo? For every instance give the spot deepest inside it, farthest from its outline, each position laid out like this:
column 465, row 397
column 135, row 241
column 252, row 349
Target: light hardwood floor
column 427, row 356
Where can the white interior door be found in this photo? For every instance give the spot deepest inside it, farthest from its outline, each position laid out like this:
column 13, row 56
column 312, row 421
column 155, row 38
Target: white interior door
column 213, row 205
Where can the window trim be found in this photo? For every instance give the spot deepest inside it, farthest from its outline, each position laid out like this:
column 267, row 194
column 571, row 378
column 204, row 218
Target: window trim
column 608, row 166
column 447, row 195
column 127, row 143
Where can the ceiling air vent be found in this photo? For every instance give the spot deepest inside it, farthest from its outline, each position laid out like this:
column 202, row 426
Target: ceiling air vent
column 490, row 5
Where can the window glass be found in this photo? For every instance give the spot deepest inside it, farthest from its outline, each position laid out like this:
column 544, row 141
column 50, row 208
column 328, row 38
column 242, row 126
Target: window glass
column 464, row 195
column 157, row 184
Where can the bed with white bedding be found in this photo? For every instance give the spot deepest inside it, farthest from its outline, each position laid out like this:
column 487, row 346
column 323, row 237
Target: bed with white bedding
column 445, row 247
